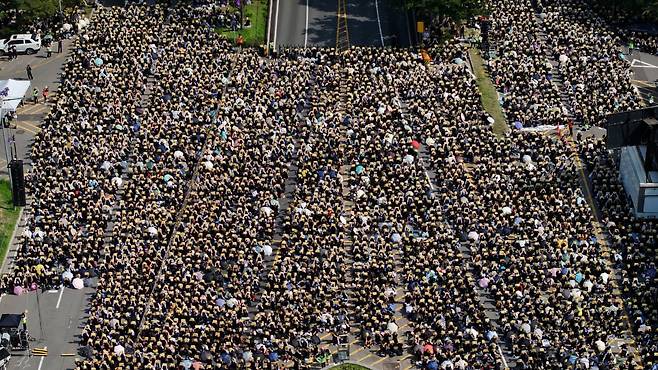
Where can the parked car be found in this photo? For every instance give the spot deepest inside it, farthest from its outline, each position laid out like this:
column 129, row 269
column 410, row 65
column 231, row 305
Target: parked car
column 25, row 43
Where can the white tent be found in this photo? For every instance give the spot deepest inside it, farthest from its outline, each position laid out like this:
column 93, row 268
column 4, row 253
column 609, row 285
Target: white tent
column 16, row 90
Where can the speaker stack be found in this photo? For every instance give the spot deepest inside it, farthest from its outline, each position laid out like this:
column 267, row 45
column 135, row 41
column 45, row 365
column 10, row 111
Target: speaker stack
column 17, row 182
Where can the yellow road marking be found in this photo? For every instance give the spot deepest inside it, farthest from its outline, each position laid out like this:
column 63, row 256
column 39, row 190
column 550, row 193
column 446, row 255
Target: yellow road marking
column 27, row 124
column 364, row 357
column 643, row 83
column 27, row 129
column 357, row 351
column 378, row 361
column 33, row 109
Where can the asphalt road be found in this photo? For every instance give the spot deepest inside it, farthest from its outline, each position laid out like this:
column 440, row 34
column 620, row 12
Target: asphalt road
column 46, row 73
column 645, row 74
column 313, row 23
column 54, row 318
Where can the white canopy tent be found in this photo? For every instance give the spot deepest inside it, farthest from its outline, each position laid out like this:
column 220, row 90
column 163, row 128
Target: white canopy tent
column 16, row 90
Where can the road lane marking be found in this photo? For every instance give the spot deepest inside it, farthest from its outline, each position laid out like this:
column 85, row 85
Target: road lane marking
column 28, row 124
column 306, row 29
column 636, row 63
column 379, row 23
column 30, row 109
column 276, row 24
column 24, row 128
column 40, row 363
column 643, row 83
column 269, row 28
column 59, row 300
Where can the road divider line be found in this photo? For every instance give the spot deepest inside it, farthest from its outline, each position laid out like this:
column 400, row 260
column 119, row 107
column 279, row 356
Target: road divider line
column 59, row 300
column 276, row 23
column 306, row 29
column 379, row 23
column 269, row 28
column 40, row 363
column 26, row 129
column 28, row 124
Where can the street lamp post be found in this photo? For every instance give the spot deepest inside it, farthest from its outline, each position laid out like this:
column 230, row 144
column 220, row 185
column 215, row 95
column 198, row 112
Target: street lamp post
column 3, row 96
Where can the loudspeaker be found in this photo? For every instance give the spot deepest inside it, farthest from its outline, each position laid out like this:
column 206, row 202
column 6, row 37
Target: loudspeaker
column 17, row 182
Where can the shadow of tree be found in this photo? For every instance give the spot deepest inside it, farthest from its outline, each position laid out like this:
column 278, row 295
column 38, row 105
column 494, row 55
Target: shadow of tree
column 362, row 22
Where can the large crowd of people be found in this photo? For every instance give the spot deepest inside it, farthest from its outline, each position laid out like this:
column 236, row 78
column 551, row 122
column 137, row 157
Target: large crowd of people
column 235, row 209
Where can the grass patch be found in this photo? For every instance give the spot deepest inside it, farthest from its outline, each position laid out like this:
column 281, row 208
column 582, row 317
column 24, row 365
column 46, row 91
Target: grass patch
column 257, row 12
column 488, row 94
column 8, row 218
column 349, row 367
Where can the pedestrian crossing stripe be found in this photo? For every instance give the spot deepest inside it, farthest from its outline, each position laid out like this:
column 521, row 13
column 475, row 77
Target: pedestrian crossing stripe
column 40, row 351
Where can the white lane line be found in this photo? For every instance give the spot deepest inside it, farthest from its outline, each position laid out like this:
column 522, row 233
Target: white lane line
column 379, row 23
column 276, row 23
column 636, row 63
column 59, row 300
column 269, row 28
column 502, row 357
column 41, row 361
column 306, row 29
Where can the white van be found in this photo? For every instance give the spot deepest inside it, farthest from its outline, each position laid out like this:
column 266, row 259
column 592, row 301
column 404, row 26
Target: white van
column 25, row 43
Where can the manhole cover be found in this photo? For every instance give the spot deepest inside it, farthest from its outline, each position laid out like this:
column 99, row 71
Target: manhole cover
column 20, row 131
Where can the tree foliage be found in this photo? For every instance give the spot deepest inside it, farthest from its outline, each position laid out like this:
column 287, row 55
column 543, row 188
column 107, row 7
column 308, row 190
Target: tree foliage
column 639, row 8
column 455, row 10
column 31, row 10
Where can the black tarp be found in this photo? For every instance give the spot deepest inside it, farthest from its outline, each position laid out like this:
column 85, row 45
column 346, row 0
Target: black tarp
column 10, row 320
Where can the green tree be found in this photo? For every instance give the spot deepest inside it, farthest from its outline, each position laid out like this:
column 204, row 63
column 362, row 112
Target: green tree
column 454, row 10
column 447, row 11
column 31, row 10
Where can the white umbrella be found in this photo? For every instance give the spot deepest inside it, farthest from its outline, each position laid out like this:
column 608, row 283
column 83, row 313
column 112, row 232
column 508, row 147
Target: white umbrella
column 360, row 193
column 247, row 356
column 152, row 231
column 118, row 349
column 178, row 154
column 525, row 327
column 588, row 285
column 267, row 250
column 473, row 236
column 600, row 345
column 392, row 327
column 429, row 141
column 396, row 238
column 563, row 58
column 506, row 211
column 526, row 159
column 408, row 159
column 78, row 283
column 208, row 165
column 117, row 181
column 266, row 210
column 67, row 275
column 232, row 302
